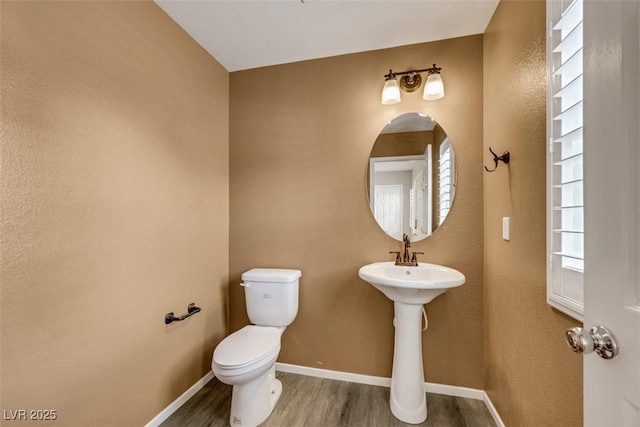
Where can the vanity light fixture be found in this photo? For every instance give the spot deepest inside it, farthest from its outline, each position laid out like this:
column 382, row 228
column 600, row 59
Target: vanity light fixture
column 410, row 81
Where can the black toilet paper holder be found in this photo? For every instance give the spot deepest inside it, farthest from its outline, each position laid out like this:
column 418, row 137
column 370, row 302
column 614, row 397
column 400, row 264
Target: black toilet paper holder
column 191, row 310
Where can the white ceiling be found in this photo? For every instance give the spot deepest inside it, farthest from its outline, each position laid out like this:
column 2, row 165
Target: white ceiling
column 243, row 34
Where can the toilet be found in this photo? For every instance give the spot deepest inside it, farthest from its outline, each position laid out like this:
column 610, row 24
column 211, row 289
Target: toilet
column 246, row 359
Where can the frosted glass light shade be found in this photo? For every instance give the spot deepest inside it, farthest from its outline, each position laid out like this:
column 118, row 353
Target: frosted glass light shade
column 434, row 88
column 390, row 92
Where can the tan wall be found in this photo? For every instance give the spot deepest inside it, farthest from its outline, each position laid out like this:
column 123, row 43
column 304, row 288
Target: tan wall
column 114, row 210
column 532, row 377
column 300, row 138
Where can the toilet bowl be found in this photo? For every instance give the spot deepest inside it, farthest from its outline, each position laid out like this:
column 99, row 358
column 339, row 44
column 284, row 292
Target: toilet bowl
column 246, row 359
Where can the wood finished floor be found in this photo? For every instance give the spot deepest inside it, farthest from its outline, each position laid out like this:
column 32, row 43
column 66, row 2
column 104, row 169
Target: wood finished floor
column 316, row 402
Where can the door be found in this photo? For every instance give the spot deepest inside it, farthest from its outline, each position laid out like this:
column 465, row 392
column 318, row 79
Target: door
column 612, row 208
column 388, row 210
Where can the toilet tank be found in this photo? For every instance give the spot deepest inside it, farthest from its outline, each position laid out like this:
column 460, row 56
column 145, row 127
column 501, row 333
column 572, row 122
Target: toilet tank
column 271, row 295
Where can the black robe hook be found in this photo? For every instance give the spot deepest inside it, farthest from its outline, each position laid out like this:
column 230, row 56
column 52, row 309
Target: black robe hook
column 504, row 158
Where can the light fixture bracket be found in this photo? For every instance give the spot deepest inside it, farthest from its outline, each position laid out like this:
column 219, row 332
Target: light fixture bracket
column 410, row 82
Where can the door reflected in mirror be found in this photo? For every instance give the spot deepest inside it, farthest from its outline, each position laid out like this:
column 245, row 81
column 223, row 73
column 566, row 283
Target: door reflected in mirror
column 411, row 177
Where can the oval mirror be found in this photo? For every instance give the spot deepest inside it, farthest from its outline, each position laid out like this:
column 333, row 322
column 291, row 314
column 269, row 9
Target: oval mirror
column 411, row 177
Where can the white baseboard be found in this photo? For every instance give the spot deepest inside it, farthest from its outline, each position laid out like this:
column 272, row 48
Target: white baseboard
column 492, row 410
column 333, row 375
column 447, row 390
column 176, row 404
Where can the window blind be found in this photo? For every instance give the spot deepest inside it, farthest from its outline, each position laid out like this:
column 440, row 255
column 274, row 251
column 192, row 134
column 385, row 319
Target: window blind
column 565, row 160
column 445, row 170
column 412, row 210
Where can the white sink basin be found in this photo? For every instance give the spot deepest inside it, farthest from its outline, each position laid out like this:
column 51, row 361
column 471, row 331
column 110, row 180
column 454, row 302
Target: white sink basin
column 411, row 285
column 409, row 288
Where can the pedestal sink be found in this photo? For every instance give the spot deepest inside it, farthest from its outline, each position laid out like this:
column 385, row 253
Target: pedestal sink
column 409, row 288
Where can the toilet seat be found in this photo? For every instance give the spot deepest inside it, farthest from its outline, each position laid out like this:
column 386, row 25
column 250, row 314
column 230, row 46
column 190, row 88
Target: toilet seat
column 247, row 349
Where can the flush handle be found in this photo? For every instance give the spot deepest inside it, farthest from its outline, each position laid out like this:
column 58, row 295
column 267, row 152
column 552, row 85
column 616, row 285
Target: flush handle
column 597, row 338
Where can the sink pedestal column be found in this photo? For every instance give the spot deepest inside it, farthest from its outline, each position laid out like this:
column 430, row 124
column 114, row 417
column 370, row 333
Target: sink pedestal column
column 408, row 400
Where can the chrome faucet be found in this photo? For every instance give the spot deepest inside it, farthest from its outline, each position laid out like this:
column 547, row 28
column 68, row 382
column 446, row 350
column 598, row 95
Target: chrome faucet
column 406, row 260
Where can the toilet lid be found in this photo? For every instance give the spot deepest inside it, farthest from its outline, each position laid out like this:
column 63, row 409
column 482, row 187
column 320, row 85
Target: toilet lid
column 247, row 345
column 270, row 275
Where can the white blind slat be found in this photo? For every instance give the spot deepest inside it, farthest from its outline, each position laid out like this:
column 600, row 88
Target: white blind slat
column 560, row 208
column 569, row 255
column 571, row 44
column 570, row 69
column 570, row 18
column 570, row 94
column 571, row 137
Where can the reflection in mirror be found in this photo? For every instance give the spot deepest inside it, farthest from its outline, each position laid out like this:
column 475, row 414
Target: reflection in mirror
column 411, row 177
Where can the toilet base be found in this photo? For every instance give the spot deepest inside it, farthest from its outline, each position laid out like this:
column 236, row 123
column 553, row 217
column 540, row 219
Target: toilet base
column 253, row 402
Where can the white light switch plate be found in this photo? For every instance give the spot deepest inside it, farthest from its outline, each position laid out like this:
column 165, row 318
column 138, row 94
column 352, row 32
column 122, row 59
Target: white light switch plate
column 505, row 227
